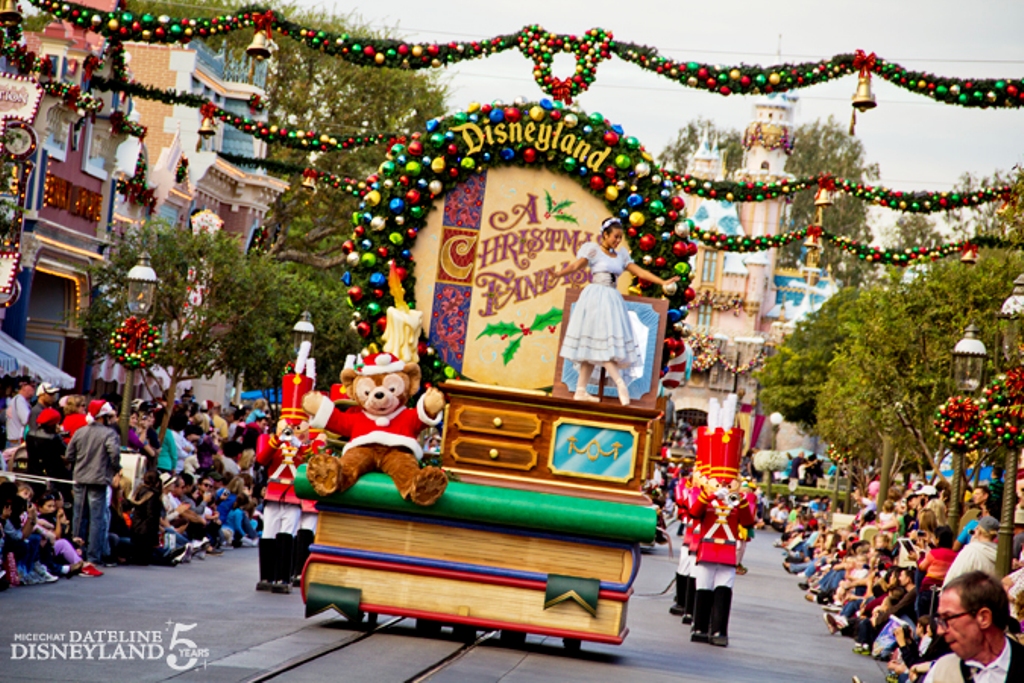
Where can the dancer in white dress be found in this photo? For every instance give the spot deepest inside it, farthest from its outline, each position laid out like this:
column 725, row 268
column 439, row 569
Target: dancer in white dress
column 599, row 332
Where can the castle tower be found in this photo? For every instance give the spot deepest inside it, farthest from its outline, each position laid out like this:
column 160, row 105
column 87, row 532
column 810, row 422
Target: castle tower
column 707, row 160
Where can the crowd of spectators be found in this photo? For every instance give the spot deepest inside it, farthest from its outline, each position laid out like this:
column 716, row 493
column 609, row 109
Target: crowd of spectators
column 73, row 511
column 884, row 574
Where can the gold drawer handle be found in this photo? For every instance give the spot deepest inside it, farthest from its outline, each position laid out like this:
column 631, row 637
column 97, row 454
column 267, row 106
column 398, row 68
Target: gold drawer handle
column 493, row 453
column 497, row 422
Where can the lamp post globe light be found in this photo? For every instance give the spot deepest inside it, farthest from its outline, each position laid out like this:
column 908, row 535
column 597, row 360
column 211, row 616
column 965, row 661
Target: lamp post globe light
column 303, row 331
column 1013, row 351
column 969, row 356
column 142, row 282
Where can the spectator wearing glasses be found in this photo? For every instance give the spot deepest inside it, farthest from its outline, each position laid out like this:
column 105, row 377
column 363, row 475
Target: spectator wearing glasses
column 972, row 617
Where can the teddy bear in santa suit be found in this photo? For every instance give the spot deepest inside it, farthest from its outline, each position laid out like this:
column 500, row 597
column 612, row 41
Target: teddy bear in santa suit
column 381, row 431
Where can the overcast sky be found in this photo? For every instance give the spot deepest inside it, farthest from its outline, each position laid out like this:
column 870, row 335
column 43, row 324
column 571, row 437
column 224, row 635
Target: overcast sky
column 919, row 144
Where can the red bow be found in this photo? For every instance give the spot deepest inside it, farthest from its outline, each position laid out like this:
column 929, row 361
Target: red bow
column 560, row 90
column 208, row 110
column 963, row 412
column 264, row 22
column 1015, row 385
column 135, row 330
column 827, row 182
column 864, row 62
column 814, row 231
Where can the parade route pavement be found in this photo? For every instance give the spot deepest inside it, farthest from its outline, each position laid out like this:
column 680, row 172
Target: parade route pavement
column 204, row 622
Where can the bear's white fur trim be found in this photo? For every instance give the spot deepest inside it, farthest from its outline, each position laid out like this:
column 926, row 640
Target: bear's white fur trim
column 323, row 413
column 386, row 439
column 422, row 414
column 384, row 364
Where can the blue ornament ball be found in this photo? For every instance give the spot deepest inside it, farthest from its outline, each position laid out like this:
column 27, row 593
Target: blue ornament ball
column 674, row 315
column 396, row 205
column 378, row 280
column 508, row 154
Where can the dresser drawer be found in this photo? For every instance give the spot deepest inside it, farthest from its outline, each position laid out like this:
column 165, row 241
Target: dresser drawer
column 494, row 453
column 497, row 421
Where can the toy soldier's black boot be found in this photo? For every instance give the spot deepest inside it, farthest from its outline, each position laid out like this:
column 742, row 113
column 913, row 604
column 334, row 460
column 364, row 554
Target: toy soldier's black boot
column 302, row 543
column 678, row 608
column 702, row 615
column 283, row 582
column 268, row 564
column 720, row 616
column 691, row 595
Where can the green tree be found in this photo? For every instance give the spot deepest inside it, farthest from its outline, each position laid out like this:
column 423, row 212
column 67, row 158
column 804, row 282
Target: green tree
column 984, row 219
column 911, row 230
column 677, row 154
column 241, row 321
column 826, row 147
column 894, row 367
column 792, row 379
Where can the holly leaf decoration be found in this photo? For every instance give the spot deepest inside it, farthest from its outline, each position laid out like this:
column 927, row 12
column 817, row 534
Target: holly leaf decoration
column 499, row 329
column 549, row 319
column 567, row 218
column 555, row 207
column 510, row 350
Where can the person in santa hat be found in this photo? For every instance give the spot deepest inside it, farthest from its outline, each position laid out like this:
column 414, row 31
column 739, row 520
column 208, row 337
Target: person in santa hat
column 289, row 523
column 94, row 453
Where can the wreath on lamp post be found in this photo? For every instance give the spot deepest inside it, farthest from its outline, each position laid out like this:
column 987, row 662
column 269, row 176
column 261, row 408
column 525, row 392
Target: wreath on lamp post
column 960, row 422
column 135, row 343
column 1003, row 407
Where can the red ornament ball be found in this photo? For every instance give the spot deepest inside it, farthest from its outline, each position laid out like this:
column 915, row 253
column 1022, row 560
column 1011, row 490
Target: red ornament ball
column 648, row 242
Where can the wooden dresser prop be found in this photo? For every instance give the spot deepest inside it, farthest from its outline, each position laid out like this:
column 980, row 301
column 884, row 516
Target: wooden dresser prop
column 524, row 439
column 482, row 556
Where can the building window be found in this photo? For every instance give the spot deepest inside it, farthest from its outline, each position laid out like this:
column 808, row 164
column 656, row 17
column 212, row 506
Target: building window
column 710, row 266
column 704, row 317
column 57, row 192
column 86, row 204
column 764, row 165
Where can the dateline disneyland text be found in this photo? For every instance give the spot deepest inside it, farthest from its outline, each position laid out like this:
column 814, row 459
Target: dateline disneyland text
column 181, row 654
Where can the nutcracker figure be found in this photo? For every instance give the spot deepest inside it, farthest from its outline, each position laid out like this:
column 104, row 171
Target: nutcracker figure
column 685, row 577
column 718, row 510
column 289, row 522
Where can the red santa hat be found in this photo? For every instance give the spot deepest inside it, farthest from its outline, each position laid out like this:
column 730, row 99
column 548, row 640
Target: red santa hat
column 99, row 408
column 379, row 364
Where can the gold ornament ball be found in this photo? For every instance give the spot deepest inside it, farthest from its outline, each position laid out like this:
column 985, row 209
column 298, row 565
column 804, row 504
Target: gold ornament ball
column 537, row 113
column 636, row 219
column 437, row 165
column 774, row 78
column 611, row 193
column 373, row 198
column 417, row 51
column 735, row 74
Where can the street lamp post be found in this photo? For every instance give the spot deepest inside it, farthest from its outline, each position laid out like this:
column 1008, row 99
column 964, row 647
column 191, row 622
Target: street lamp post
column 776, row 419
column 303, row 331
column 1013, row 352
column 969, row 356
column 142, row 283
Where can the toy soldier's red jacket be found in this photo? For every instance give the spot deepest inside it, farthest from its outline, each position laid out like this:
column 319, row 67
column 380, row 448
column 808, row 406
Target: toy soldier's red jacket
column 717, row 527
column 692, row 537
column 281, row 461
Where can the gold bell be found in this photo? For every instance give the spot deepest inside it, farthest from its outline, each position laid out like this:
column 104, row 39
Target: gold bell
column 969, row 255
column 258, row 49
column 9, row 14
column 863, row 99
column 208, row 129
column 309, row 183
column 822, row 197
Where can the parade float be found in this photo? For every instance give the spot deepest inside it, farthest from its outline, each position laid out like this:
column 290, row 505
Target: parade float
column 538, row 529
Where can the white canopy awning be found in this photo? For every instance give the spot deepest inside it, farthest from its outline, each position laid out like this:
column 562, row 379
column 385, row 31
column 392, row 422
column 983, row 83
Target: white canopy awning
column 149, row 383
column 18, row 359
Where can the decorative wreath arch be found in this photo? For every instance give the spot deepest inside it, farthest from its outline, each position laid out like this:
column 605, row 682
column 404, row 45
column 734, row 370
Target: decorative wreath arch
column 587, row 148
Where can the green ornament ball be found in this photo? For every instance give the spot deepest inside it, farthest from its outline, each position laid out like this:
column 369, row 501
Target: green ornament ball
column 623, row 161
column 368, row 260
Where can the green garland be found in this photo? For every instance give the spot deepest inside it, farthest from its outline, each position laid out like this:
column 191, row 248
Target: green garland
column 354, row 187
column 392, row 212
column 268, row 132
column 909, row 202
column 367, row 51
column 895, row 257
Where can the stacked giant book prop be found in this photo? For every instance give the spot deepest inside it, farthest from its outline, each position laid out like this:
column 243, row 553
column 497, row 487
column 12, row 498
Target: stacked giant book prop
column 486, row 557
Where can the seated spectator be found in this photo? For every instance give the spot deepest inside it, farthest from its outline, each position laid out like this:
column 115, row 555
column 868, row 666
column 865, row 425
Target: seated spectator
column 239, row 529
column 149, row 522
column 18, row 519
column 59, row 555
column 935, row 564
column 979, row 554
column 917, row 652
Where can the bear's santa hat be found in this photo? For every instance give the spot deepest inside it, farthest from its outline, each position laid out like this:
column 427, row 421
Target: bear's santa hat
column 379, row 364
